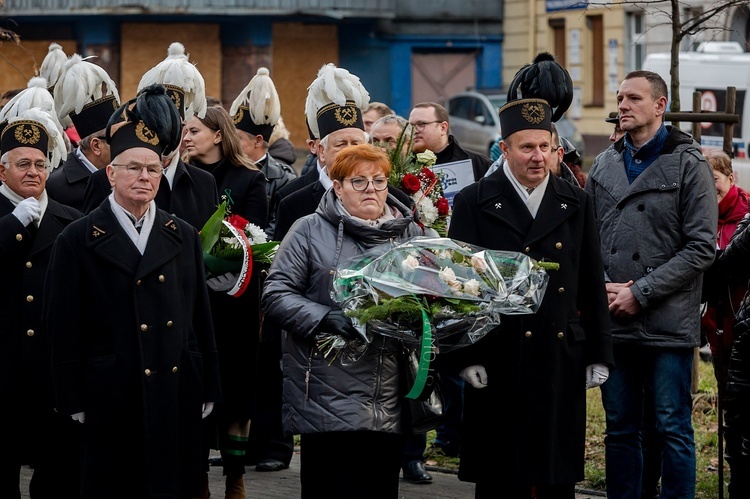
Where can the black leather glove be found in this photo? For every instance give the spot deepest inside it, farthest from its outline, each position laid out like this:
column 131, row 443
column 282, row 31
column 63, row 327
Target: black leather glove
column 335, row 322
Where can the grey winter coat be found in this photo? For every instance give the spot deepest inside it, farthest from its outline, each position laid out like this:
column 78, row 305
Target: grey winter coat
column 659, row 231
column 318, row 397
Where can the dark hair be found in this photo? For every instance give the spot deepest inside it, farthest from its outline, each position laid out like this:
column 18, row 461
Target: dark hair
column 218, row 119
column 349, row 158
column 657, row 83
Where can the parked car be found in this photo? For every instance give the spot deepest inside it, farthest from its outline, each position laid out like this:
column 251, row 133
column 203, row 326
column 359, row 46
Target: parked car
column 475, row 124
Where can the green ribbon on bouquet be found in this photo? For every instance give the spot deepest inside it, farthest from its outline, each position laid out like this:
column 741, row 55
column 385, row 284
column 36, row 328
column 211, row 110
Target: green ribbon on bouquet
column 425, row 353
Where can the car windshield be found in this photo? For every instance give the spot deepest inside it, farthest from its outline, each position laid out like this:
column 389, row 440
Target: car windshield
column 498, row 101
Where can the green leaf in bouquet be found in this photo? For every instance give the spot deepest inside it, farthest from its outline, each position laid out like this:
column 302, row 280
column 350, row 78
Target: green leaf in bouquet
column 265, row 252
column 209, row 234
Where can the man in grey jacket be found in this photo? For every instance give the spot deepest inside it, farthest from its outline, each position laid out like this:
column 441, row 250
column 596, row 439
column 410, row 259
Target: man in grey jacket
column 656, row 210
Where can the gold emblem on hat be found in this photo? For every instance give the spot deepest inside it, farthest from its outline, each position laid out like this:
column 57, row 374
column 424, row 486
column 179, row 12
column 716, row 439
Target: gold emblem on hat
column 237, row 118
column 176, row 99
column 346, row 115
column 145, row 134
column 533, row 112
column 27, row 134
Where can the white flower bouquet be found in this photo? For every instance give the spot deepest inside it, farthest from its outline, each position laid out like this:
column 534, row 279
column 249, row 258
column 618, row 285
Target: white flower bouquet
column 438, row 293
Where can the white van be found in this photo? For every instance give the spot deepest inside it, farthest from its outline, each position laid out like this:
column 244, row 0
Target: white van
column 712, row 68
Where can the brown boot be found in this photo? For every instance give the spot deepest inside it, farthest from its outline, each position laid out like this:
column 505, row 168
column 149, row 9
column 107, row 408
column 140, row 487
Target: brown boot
column 235, row 487
column 205, row 493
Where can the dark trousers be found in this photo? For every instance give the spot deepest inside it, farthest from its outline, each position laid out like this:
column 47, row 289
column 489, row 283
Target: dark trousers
column 350, row 465
column 489, row 490
column 267, row 439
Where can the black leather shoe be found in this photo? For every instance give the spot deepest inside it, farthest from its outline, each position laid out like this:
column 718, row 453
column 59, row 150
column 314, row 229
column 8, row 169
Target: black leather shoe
column 271, row 465
column 414, row 472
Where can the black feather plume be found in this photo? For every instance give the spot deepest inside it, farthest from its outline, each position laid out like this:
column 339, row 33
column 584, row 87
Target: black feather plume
column 544, row 79
column 160, row 115
column 153, row 106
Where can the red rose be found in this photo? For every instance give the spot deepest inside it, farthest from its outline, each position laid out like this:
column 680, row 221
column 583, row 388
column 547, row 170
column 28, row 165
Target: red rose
column 410, row 184
column 443, row 207
column 427, row 174
column 237, row 221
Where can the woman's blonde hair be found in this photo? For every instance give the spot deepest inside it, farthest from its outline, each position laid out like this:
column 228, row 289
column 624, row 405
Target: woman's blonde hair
column 349, row 158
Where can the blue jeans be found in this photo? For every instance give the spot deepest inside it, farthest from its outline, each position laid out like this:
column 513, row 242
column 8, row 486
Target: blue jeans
column 664, row 377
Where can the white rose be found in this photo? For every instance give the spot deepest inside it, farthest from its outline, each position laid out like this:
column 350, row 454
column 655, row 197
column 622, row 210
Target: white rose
column 447, row 275
column 409, row 264
column 471, row 287
column 426, row 158
column 479, row 264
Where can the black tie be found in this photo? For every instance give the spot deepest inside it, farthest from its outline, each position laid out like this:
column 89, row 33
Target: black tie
column 530, row 189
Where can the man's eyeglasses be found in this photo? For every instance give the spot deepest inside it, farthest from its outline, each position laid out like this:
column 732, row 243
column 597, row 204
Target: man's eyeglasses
column 25, row 164
column 419, row 127
column 361, row 183
column 134, row 169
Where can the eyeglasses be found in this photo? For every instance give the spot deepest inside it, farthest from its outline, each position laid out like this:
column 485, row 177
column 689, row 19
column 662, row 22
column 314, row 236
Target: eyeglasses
column 25, row 164
column 134, row 169
column 419, row 127
column 361, row 183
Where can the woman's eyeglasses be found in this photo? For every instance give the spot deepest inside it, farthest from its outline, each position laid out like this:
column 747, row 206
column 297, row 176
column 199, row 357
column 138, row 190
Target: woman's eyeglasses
column 361, row 183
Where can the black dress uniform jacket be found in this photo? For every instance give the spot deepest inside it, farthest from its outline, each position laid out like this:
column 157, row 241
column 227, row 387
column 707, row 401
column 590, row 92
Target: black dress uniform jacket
column 67, row 184
column 133, row 348
column 535, row 362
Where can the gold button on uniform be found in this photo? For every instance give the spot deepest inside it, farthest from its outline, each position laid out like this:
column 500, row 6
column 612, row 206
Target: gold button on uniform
column 28, row 265
column 560, row 335
column 561, row 290
column 30, row 298
column 170, row 323
column 144, row 327
column 30, row 333
column 527, row 334
column 558, row 245
column 19, row 237
column 162, row 278
column 147, row 372
column 527, row 249
column 174, row 369
column 138, row 282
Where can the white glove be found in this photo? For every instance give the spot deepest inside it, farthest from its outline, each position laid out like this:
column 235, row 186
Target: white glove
column 79, row 417
column 596, row 375
column 207, row 408
column 223, row 282
column 28, row 211
column 476, row 376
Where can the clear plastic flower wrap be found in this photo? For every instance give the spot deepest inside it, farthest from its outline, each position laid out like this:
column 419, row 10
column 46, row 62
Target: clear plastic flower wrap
column 455, row 290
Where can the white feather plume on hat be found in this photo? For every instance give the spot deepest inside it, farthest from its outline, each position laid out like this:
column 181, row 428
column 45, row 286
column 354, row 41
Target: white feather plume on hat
column 261, row 98
column 56, row 145
column 335, row 85
column 53, row 63
column 81, row 82
column 34, row 95
column 177, row 70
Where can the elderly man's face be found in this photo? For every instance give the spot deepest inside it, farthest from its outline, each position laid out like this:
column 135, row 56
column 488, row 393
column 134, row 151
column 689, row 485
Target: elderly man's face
column 386, row 135
column 338, row 140
column 134, row 176
column 25, row 172
column 528, row 153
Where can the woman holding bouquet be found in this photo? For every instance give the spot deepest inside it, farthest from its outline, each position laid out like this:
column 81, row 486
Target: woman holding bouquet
column 212, row 144
column 335, row 405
